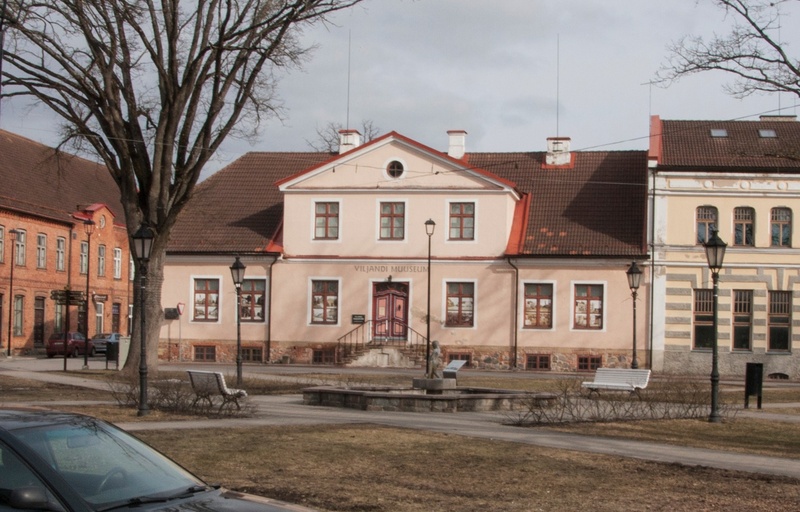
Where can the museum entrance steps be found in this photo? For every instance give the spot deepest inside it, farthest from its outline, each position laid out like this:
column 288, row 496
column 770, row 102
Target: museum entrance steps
column 367, row 345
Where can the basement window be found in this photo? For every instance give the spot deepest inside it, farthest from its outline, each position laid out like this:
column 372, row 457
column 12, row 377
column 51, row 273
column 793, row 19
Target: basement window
column 767, row 134
column 719, row 133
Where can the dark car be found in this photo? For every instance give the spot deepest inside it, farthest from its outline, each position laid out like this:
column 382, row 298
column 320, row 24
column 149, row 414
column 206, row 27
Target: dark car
column 69, row 462
column 76, row 344
column 99, row 341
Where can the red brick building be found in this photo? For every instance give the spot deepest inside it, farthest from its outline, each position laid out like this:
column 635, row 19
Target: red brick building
column 48, row 202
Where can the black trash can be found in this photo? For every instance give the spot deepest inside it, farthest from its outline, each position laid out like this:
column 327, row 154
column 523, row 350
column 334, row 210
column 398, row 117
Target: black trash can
column 112, row 353
column 753, row 382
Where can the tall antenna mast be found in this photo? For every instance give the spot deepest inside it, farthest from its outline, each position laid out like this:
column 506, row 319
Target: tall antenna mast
column 558, row 78
column 349, row 53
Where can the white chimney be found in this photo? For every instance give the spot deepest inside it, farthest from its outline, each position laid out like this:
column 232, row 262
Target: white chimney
column 458, row 143
column 558, row 151
column 348, row 139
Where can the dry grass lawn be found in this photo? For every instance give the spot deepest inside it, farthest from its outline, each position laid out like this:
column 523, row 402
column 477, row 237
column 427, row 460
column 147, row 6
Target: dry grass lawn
column 372, row 468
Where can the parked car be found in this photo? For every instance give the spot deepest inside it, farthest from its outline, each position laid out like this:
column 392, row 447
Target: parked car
column 76, row 343
column 101, row 340
column 52, row 460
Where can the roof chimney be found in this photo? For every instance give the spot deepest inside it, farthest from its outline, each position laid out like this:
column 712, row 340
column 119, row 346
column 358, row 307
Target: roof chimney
column 458, row 143
column 348, row 139
column 777, row 118
column 558, row 151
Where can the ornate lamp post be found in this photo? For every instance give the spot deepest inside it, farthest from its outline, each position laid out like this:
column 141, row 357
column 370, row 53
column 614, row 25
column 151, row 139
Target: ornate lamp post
column 13, row 263
column 634, row 274
column 715, row 253
column 237, row 273
column 142, row 245
column 88, row 227
column 430, row 226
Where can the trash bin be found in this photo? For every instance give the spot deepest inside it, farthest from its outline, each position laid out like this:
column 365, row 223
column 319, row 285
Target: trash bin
column 753, row 382
column 112, row 353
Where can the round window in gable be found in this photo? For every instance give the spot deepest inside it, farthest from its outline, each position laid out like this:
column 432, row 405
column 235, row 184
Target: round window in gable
column 394, row 169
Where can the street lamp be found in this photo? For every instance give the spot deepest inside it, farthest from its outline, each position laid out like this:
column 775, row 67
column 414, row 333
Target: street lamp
column 88, row 227
column 237, row 273
column 634, row 274
column 715, row 253
column 142, row 245
column 430, row 226
column 13, row 262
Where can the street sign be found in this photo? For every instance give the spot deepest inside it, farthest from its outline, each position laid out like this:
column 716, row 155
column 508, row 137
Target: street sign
column 63, row 296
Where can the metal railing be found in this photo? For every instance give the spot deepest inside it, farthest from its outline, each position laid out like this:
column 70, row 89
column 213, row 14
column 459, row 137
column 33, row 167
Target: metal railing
column 361, row 338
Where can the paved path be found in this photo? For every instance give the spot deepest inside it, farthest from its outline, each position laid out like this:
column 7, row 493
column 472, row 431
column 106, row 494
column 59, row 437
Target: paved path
column 287, row 410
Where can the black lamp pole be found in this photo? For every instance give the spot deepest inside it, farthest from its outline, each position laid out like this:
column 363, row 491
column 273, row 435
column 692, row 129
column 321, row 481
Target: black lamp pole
column 88, row 227
column 430, row 226
column 13, row 262
column 634, row 274
column 237, row 273
column 715, row 253
column 142, row 245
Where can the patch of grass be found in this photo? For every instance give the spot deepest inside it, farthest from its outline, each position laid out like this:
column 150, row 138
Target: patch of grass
column 745, row 435
column 371, row 468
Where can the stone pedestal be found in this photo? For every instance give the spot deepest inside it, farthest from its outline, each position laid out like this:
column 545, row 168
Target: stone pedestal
column 433, row 385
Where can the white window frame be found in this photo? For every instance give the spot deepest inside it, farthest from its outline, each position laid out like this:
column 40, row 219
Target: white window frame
column 443, row 313
column 117, row 263
column 553, row 311
column 19, row 247
column 101, row 260
column 99, row 311
column 577, row 282
column 220, row 293
column 41, row 250
column 61, row 250
column 447, row 214
column 378, row 204
column 309, row 305
column 84, row 259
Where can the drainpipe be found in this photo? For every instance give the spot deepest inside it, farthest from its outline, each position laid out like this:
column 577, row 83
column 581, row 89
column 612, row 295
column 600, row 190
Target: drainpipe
column 516, row 309
column 652, row 263
column 269, row 311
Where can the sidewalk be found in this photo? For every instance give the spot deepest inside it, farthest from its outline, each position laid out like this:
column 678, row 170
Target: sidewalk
column 286, row 410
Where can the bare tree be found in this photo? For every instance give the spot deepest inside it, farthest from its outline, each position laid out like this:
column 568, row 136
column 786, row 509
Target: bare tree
column 153, row 87
column 752, row 52
column 328, row 137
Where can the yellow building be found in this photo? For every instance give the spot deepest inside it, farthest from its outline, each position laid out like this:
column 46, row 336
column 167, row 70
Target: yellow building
column 741, row 178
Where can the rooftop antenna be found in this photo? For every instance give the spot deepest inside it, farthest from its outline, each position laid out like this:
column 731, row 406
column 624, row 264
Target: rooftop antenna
column 349, row 53
column 558, row 78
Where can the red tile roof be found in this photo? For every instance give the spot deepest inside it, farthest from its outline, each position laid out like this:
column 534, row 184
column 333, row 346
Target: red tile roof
column 595, row 208
column 38, row 180
column 690, row 144
column 238, row 209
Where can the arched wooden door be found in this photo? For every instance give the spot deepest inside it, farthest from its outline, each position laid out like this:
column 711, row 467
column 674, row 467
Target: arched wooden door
column 390, row 310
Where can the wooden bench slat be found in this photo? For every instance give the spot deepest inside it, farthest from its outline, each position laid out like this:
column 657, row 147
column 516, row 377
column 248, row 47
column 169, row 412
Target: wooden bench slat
column 209, row 384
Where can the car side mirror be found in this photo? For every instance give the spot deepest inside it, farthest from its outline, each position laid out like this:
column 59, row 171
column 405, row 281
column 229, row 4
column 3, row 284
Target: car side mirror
column 30, row 498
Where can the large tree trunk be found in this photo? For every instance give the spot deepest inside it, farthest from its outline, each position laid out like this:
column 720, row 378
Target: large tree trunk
column 154, row 313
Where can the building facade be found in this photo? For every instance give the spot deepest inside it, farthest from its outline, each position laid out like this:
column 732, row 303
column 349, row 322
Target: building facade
column 742, row 179
column 508, row 260
column 50, row 203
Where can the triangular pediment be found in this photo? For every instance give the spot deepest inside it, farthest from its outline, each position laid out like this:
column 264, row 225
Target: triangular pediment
column 395, row 162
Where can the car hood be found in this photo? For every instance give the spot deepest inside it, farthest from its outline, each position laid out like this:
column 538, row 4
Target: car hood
column 225, row 500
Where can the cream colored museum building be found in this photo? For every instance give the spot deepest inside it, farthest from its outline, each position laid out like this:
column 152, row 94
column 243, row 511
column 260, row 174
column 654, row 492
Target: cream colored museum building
column 528, row 256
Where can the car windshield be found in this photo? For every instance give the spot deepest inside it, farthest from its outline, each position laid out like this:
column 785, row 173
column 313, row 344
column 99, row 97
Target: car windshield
column 105, row 465
column 103, row 335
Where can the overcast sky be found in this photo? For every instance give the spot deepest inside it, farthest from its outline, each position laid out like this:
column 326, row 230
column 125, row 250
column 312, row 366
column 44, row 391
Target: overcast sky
column 511, row 73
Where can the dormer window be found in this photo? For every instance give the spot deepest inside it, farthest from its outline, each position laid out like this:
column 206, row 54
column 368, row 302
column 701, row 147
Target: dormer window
column 767, row 134
column 394, row 169
column 719, row 133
